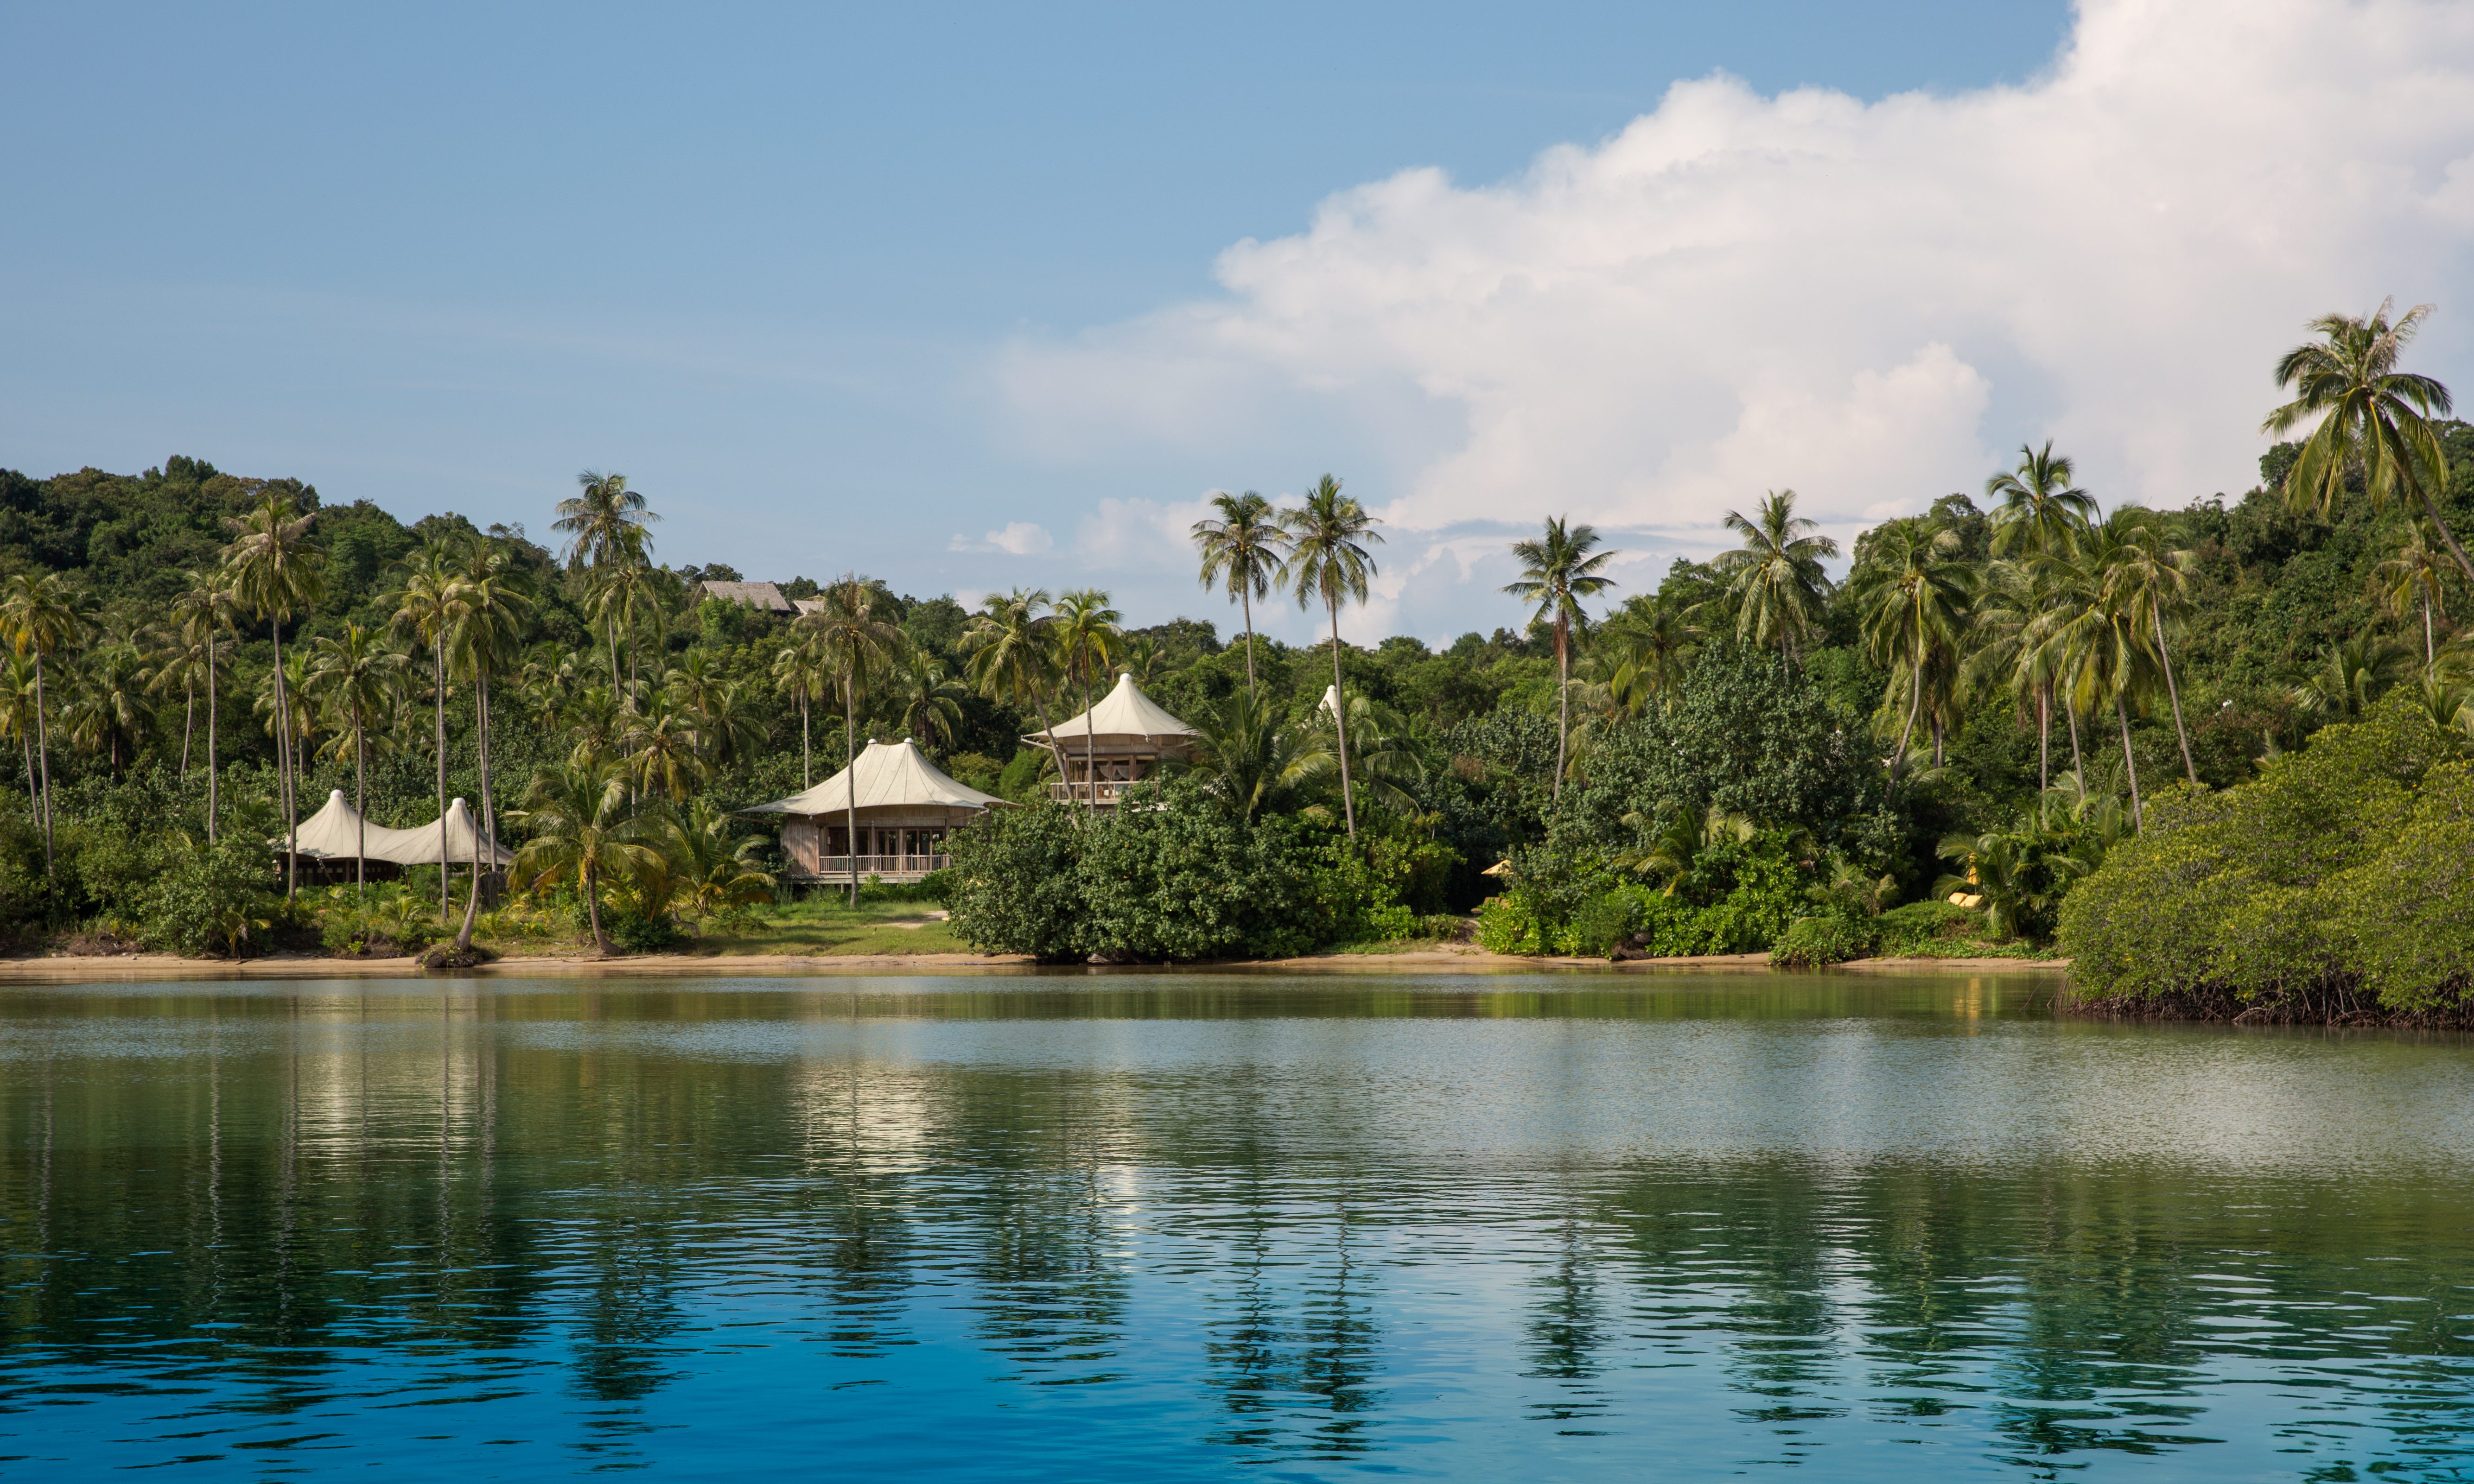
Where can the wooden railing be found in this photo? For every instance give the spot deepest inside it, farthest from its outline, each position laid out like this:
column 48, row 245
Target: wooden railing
column 830, row 867
column 1108, row 790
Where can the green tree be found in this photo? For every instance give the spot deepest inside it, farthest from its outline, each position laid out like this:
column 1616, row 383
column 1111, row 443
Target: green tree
column 40, row 615
column 112, row 709
column 800, row 670
column 1081, row 628
column 428, row 608
column 2374, row 421
column 1328, row 537
column 1006, row 655
column 1912, row 601
column 1556, row 571
column 2157, row 582
column 856, row 641
column 1241, row 553
column 358, row 678
column 927, row 699
column 603, row 522
column 2040, row 511
column 488, row 636
column 2416, row 576
column 275, row 574
column 1250, row 759
column 1774, row 580
column 2352, row 674
column 581, row 831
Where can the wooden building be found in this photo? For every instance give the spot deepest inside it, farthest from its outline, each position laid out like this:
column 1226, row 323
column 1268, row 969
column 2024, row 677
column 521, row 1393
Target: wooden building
column 1113, row 746
column 904, row 807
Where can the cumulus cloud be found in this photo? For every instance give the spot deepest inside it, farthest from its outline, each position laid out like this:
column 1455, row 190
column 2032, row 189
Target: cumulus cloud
column 1871, row 303
column 1019, row 537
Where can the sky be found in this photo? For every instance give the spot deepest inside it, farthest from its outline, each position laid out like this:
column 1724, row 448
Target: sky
column 976, row 297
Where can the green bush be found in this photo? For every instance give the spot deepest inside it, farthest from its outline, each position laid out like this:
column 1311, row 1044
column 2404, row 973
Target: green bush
column 1905, row 929
column 2341, row 871
column 1013, row 882
column 1823, row 938
column 1604, row 922
column 210, row 898
column 632, row 932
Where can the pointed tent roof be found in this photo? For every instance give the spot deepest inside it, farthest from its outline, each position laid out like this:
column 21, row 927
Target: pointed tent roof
column 888, row 774
column 337, row 832
column 1124, row 712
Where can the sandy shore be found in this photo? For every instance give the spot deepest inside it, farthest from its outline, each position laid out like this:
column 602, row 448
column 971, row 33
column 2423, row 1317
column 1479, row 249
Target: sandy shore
column 65, row 970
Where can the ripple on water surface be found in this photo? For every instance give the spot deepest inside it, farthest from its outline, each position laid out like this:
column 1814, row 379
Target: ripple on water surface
column 1169, row 1226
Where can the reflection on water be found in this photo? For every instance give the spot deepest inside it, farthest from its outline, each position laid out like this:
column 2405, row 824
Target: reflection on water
column 1172, row 1227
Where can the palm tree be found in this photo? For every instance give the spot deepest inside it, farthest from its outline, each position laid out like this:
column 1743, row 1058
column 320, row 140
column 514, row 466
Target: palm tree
column 664, row 749
column 2374, row 421
column 191, row 659
column 1775, row 577
column 2351, row 675
column 275, row 573
column 112, row 703
column 1081, row 629
column 928, row 700
column 40, row 616
column 856, row 643
column 1252, row 761
column 2157, row 581
column 1557, row 570
column 358, row 678
column 622, row 594
column 1241, row 553
column 799, row 669
column 2416, row 576
column 718, row 866
column 1139, row 657
column 17, row 713
column 2040, row 507
column 1912, row 599
column 2098, row 624
column 1644, row 648
column 1327, row 558
column 429, row 607
column 1380, row 756
column 2013, row 654
column 497, row 601
column 1006, row 655
column 578, row 818
column 605, row 521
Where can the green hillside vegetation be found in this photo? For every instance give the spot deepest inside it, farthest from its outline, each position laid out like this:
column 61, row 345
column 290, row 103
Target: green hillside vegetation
column 1938, row 750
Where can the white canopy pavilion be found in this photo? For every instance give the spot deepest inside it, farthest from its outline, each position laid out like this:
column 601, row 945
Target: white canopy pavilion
column 337, row 834
column 904, row 808
column 1113, row 746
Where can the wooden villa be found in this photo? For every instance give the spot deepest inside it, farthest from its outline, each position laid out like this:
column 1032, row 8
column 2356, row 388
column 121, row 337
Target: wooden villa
column 1118, row 743
column 904, row 807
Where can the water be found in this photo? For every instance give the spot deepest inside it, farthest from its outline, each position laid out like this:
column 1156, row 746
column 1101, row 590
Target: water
column 1221, row 1226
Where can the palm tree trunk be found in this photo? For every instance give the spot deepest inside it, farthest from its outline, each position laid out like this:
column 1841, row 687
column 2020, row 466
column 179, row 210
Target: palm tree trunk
column 617, row 687
column 2427, row 654
column 849, row 781
column 2078, row 764
column 283, row 769
column 1563, row 700
column 1246, row 597
column 2174, row 694
column 214, row 774
column 360, row 809
column 438, row 709
column 1907, row 733
column 2446, row 537
column 2138, row 821
column 481, row 755
column 807, row 770
column 43, row 757
column 189, row 720
column 1340, row 722
column 2044, row 742
column 1940, row 730
column 592, row 909
column 1090, row 767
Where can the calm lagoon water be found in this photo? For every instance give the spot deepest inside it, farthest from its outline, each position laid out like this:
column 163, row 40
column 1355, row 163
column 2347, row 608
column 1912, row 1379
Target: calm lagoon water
column 1221, row 1226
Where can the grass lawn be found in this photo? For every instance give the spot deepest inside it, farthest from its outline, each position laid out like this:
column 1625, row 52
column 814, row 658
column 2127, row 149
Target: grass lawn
column 826, row 924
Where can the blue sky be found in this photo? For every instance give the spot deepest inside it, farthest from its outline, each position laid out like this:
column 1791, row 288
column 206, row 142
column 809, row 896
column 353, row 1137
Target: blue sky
column 862, row 289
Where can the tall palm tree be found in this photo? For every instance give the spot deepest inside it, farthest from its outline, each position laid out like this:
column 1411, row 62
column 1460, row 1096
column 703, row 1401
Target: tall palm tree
column 2013, row 655
column 1081, row 629
column 2351, row 675
column 429, row 607
column 857, row 642
column 603, row 522
column 2416, row 576
column 2098, row 624
column 1643, row 649
column 199, row 615
column 17, row 714
column 358, row 678
column 1242, row 553
column 112, row 704
column 1775, row 577
column 1328, row 537
column 2374, row 421
column 497, row 601
column 926, row 698
column 1250, row 759
column 2040, row 511
column 41, row 617
column 2157, row 581
column 1556, row 571
column 624, row 593
column 1912, row 599
column 577, row 815
column 1139, row 655
column 1006, row 655
column 799, row 669
column 276, row 574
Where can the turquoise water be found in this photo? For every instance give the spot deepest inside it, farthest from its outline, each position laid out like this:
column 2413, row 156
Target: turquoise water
column 1221, row 1226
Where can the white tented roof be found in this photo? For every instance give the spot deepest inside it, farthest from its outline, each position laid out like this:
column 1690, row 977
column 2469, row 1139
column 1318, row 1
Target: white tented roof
column 337, row 832
column 889, row 774
column 1124, row 712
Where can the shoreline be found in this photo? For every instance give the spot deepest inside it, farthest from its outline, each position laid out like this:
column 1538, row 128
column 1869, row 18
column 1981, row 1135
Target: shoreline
column 100, row 968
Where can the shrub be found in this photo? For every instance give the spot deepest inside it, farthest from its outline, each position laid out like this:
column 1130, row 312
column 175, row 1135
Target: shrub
column 210, row 898
column 1013, row 882
column 632, row 932
column 1821, row 940
column 1606, row 921
column 1903, row 929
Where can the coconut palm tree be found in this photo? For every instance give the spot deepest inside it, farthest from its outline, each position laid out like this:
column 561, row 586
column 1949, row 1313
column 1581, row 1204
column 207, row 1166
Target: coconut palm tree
column 664, row 748
column 1912, row 600
column 358, row 678
column 799, row 669
column 497, row 601
column 17, row 713
column 2040, row 511
column 1250, row 759
column 2352, row 674
column 1774, row 580
column 926, row 698
column 428, row 608
column 577, row 815
column 276, row 574
column 1242, row 555
column 1006, row 655
column 1381, row 757
column 2416, row 576
column 603, row 522
column 200, row 614
column 624, row 593
column 2099, row 625
column 2011, row 652
column 1556, row 571
column 2374, row 421
column 2157, row 581
column 1139, row 655
column 111, row 706
column 40, row 615
column 715, row 864
column 1081, row 628
column 1328, row 560
column 857, row 642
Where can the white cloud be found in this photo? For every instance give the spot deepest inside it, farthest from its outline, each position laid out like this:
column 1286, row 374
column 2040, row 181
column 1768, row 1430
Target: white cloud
column 1019, row 537
column 1872, row 303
